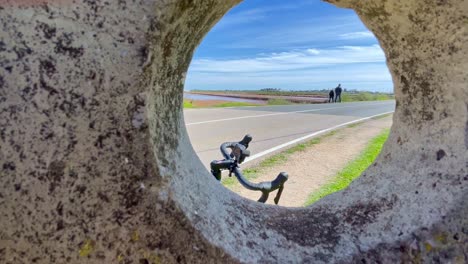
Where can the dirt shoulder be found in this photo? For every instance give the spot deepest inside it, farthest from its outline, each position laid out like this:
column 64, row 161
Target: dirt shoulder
column 316, row 165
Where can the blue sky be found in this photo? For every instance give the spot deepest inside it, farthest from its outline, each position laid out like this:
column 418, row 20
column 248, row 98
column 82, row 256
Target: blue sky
column 292, row 45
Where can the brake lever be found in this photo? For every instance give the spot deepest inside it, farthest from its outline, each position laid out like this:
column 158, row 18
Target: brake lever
column 278, row 194
column 264, row 197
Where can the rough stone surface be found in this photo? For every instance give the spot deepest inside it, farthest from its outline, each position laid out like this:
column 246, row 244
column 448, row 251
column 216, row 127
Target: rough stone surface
column 96, row 165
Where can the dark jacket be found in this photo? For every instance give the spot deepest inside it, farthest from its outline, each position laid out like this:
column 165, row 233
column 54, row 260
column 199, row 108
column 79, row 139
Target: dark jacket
column 338, row 90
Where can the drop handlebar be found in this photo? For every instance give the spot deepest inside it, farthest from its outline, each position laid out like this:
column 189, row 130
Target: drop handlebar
column 231, row 162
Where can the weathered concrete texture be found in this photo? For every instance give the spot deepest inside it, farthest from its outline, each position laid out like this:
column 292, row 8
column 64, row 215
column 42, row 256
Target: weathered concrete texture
column 78, row 177
column 96, row 165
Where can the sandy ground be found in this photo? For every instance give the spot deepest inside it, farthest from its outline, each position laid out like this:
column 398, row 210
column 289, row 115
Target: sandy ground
column 314, row 167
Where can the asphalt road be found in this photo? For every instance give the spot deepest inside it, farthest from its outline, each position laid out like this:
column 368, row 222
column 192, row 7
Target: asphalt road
column 272, row 127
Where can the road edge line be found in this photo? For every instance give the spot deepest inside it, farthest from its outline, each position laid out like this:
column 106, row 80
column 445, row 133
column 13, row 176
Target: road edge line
column 297, row 140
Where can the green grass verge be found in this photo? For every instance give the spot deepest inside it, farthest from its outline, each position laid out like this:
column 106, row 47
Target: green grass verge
column 354, row 124
column 191, row 104
column 353, row 170
column 188, row 104
column 233, row 104
column 365, row 96
column 280, row 158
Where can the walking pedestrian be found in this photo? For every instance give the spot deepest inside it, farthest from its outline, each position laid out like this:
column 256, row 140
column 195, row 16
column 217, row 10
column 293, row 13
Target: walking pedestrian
column 338, row 91
column 331, row 96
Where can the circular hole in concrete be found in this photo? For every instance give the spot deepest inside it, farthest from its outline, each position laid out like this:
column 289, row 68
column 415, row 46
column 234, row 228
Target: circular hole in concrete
column 379, row 216
column 289, row 47
column 86, row 146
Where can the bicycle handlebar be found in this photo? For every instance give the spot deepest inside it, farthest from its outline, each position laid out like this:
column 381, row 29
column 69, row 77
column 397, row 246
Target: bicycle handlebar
column 237, row 156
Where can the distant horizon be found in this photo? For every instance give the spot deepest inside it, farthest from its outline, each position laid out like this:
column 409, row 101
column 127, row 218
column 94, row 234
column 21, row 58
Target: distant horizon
column 286, row 90
column 294, row 45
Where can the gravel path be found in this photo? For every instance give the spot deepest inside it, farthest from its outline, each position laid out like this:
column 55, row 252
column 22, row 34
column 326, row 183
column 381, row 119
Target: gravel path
column 314, row 167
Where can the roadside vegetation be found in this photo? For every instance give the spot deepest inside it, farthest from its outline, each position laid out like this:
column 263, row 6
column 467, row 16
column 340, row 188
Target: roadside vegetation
column 266, row 92
column 188, row 104
column 279, row 101
column 353, row 170
column 366, row 96
column 193, row 103
column 347, row 96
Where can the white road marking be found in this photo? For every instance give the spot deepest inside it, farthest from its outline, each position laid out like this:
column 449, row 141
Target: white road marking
column 268, row 151
column 274, row 114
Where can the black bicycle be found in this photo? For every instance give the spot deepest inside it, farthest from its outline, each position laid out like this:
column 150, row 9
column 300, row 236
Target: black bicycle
column 231, row 162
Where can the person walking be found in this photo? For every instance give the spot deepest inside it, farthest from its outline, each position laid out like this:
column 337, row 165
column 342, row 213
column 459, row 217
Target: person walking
column 331, row 96
column 338, row 91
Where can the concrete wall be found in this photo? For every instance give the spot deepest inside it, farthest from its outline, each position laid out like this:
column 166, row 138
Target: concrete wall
column 96, row 165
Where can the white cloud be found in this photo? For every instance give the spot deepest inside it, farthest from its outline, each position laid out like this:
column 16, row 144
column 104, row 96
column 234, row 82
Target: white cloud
column 356, row 67
column 313, row 51
column 239, row 51
column 294, row 33
column 292, row 60
column 357, row 35
column 372, row 77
